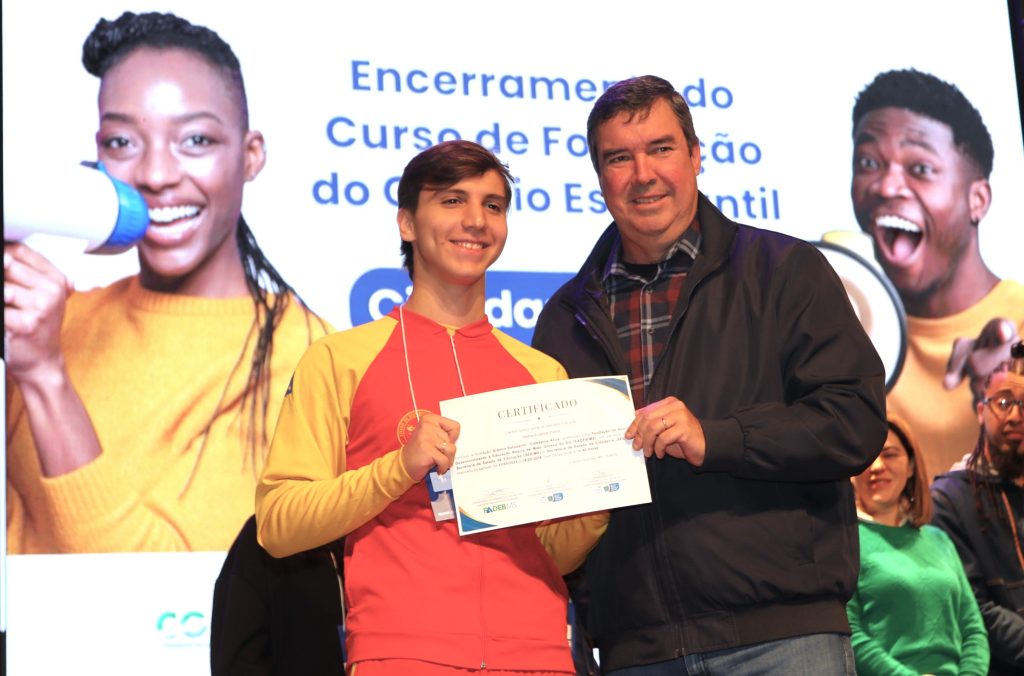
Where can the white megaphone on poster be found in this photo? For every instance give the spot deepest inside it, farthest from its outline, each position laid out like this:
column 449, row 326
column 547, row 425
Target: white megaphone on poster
column 872, row 295
column 81, row 202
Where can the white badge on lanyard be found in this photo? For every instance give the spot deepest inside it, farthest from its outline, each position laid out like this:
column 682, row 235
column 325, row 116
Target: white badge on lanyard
column 440, row 489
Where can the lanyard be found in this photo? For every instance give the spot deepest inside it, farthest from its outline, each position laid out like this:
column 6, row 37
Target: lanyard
column 438, row 488
column 408, row 371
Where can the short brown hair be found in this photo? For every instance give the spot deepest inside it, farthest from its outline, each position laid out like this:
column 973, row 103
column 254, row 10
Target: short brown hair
column 442, row 166
column 635, row 97
column 916, row 491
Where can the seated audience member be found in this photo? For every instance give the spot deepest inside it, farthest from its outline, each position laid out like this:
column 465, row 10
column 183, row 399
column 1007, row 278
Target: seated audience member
column 981, row 506
column 277, row 616
column 913, row 611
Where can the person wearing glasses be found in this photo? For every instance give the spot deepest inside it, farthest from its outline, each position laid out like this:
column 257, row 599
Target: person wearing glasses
column 981, row 506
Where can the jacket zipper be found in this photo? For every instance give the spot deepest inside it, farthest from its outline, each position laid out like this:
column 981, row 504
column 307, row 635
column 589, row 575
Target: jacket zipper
column 657, row 555
column 666, row 581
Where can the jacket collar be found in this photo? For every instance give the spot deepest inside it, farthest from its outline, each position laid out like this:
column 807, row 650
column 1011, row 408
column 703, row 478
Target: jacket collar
column 420, row 323
column 983, row 473
column 717, row 233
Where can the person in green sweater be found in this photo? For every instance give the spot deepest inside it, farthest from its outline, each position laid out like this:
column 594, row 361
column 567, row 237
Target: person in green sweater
column 913, row 611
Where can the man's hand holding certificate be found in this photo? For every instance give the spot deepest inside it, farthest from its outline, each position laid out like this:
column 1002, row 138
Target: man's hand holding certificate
column 538, row 452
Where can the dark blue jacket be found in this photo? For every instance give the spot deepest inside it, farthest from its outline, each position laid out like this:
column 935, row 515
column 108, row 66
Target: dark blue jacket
column 989, row 555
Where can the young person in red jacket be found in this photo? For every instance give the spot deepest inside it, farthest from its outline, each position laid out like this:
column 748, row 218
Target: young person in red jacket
column 359, row 432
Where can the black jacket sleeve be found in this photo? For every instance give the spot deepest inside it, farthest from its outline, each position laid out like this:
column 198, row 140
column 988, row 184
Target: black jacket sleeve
column 1005, row 625
column 829, row 422
column 239, row 626
column 276, row 616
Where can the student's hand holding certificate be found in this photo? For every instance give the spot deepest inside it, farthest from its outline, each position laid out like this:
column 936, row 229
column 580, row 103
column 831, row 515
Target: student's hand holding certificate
column 432, row 445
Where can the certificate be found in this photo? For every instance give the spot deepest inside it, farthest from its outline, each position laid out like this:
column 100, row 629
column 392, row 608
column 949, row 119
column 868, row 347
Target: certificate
column 537, row 452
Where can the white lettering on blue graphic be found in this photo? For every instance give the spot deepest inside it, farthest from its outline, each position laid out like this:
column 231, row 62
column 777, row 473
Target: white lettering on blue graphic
column 380, row 296
column 505, row 314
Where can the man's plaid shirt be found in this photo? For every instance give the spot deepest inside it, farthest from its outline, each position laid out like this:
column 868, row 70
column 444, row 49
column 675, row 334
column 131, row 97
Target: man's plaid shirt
column 641, row 299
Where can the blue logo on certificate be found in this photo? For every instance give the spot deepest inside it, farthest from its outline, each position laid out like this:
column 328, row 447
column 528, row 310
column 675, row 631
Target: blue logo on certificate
column 556, row 497
column 612, row 487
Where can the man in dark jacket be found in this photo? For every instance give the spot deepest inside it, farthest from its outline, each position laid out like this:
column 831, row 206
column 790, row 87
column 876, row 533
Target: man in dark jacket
column 758, row 393
column 981, row 506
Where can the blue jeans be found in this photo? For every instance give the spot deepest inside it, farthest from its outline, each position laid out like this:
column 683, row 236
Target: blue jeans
column 812, row 655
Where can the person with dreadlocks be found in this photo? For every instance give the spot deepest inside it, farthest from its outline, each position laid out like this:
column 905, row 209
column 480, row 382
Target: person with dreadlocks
column 981, row 506
column 139, row 413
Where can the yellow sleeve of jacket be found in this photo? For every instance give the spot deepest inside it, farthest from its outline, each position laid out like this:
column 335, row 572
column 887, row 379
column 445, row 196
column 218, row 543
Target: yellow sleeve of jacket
column 307, row 496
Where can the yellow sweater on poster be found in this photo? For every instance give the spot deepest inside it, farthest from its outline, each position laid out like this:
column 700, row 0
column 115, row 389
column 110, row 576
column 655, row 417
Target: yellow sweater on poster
column 151, row 369
column 943, row 421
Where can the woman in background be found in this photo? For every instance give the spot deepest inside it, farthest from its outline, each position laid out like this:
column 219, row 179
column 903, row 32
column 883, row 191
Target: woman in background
column 140, row 411
column 913, row 611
